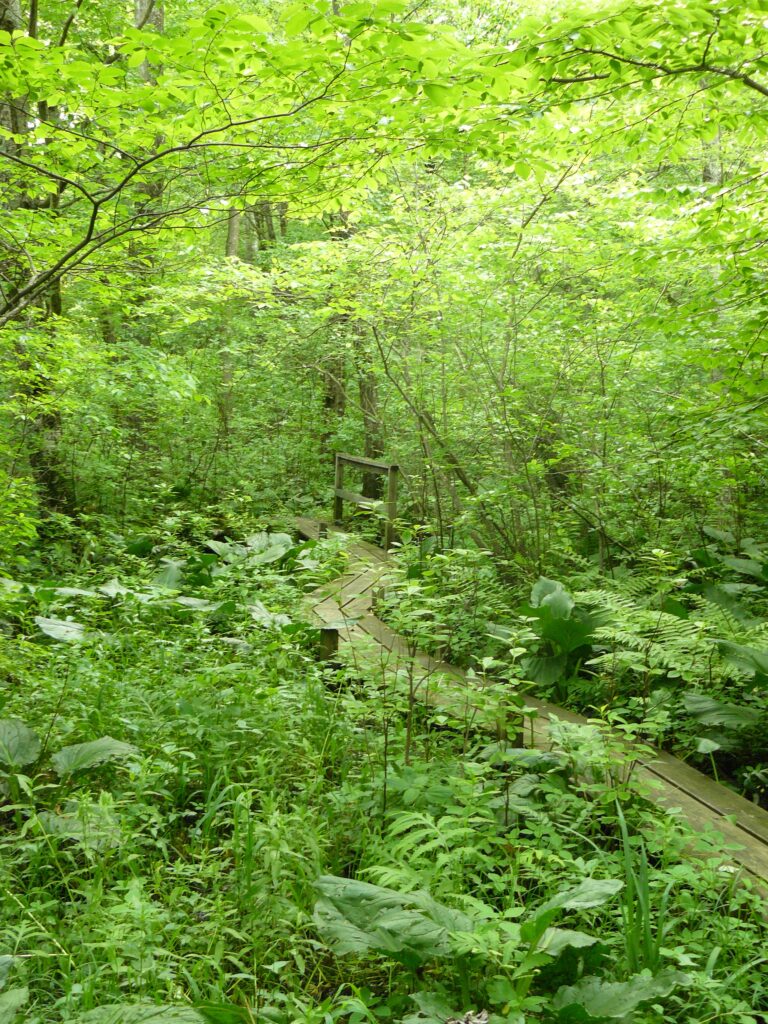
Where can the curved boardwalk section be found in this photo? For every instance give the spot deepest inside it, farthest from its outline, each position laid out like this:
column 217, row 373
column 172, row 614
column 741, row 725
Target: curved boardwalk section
column 347, row 604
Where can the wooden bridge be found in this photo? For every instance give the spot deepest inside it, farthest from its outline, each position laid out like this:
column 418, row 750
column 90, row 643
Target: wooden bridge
column 345, row 609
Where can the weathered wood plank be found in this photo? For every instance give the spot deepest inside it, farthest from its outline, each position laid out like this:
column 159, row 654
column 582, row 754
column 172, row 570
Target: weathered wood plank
column 362, row 549
column 370, row 464
column 714, row 795
column 357, row 499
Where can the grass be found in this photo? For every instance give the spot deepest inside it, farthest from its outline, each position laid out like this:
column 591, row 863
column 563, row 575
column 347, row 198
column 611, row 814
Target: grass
column 184, row 873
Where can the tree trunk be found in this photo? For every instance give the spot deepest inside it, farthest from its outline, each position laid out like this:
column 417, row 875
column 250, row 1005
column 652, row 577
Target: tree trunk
column 233, row 233
column 282, row 213
column 373, row 428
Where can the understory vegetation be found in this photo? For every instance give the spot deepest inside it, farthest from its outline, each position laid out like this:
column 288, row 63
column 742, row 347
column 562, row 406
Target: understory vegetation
column 200, row 811
column 511, row 252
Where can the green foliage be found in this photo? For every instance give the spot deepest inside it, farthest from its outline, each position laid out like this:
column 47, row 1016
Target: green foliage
column 520, row 252
column 592, row 999
column 354, row 917
column 566, row 632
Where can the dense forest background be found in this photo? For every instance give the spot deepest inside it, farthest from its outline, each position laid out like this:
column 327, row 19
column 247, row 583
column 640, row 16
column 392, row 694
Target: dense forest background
column 522, row 256
column 516, row 248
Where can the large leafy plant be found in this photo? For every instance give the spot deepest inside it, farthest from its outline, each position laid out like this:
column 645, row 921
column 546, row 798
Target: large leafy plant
column 494, row 957
column 21, row 749
column 565, row 633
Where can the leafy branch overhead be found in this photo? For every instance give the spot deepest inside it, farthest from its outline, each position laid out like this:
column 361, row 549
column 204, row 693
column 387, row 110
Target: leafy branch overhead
column 313, row 109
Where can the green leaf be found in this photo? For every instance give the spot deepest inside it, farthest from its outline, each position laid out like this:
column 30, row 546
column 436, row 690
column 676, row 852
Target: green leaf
column 6, row 962
column 555, row 940
column 271, row 620
column 722, row 535
column 550, row 594
column 268, row 547
column 747, row 658
column 354, row 917
column 440, row 95
column 19, row 746
column 592, row 892
column 544, row 670
column 85, row 755
column 219, row 1013
column 141, row 1013
column 746, row 566
column 141, row 546
column 171, row 573
column 595, row 999
column 433, row 1009
column 61, row 629
column 10, row 1002
column 707, row 746
column 713, row 712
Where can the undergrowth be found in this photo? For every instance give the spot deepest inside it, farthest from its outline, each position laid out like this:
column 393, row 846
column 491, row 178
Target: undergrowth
column 672, row 647
column 201, row 820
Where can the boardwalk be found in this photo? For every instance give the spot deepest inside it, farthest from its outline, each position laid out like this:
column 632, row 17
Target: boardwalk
column 347, row 604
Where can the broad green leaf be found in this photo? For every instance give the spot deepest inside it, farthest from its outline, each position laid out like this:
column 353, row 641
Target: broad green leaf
column 272, row 620
column 196, row 603
column 354, row 917
column 19, row 745
column 61, row 629
column 268, row 547
column 544, row 670
column 592, row 892
column 141, row 546
column 707, row 746
column 440, row 95
column 141, row 1013
column 555, row 940
column 746, row 566
column 722, row 535
column 552, row 595
column 748, row 658
column 227, row 551
column 6, row 962
column 11, row 1002
column 567, row 633
column 114, row 588
column 595, row 999
column 433, row 1009
column 171, row 573
column 713, row 712
column 92, row 824
column 216, row 1013
column 85, row 755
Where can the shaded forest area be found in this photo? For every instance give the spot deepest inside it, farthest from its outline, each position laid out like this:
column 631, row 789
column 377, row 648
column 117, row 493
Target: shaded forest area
column 516, row 249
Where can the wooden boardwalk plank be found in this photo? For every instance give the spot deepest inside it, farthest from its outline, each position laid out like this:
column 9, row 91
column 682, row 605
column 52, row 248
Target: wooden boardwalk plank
column 310, row 528
column 716, row 797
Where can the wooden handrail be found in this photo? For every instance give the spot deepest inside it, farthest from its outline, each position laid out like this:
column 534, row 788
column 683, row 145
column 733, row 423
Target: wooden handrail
column 341, row 494
column 368, row 464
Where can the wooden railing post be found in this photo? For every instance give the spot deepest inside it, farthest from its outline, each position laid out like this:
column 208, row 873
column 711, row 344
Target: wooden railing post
column 391, row 509
column 338, row 501
column 329, row 642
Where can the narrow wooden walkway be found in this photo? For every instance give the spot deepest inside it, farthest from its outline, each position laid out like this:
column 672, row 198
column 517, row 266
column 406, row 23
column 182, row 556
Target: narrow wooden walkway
column 707, row 806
